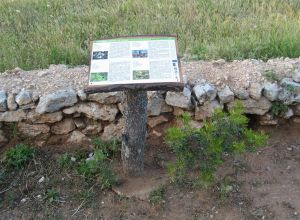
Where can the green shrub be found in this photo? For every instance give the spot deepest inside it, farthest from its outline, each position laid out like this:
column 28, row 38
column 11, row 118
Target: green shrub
column 51, row 195
column 64, row 160
column 202, row 149
column 99, row 166
column 157, row 196
column 18, row 156
column 278, row 109
column 109, row 148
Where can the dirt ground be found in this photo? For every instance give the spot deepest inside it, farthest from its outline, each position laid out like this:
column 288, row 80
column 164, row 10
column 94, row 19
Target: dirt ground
column 261, row 185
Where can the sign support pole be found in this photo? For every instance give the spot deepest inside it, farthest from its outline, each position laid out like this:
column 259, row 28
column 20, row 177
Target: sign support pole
column 134, row 134
column 134, row 65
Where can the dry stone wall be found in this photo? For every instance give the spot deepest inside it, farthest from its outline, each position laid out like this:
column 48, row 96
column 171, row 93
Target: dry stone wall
column 69, row 116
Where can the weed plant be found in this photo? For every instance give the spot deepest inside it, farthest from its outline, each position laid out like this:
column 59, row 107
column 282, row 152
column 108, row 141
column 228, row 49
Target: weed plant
column 156, row 197
column 64, row 160
column 51, row 195
column 97, row 166
column 202, row 150
column 278, row 109
column 18, row 156
column 36, row 33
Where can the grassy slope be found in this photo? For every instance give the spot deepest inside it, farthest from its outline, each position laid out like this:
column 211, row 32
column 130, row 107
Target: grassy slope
column 36, row 33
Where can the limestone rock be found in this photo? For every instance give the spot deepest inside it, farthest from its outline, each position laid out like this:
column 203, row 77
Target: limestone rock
column 35, row 96
column 79, row 122
column 155, row 101
column 13, row 116
column 63, row 127
column 271, row 91
column 288, row 114
column 296, row 75
column 77, row 137
column 285, row 96
column 33, row 130
column 255, row 90
column 37, row 118
column 156, row 133
column 57, row 100
column 256, row 107
column 94, row 110
column 120, row 107
column 3, row 101
column 165, row 107
column 113, row 131
column 157, row 104
column 226, row 95
column 241, row 93
column 297, row 110
column 27, row 106
column 106, row 97
column 24, row 97
column 154, row 121
column 179, row 111
column 270, row 122
column 94, row 127
column 196, row 124
column 205, row 92
column 296, row 98
column 207, row 110
column 3, row 139
column 179, row 99
column 82, row 95
column 11, row 103
column 290, row 85
column 267, row 120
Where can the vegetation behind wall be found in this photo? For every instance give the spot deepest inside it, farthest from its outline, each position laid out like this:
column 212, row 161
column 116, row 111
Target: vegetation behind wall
column 36, row 33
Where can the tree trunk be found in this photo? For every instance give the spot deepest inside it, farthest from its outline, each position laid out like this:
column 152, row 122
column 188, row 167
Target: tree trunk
column 133, row 140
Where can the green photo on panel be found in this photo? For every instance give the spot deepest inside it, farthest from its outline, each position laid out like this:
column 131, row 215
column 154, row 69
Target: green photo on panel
column 98, row 77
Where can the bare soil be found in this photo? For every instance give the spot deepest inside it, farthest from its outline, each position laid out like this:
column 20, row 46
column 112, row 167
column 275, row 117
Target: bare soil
column 261, row 185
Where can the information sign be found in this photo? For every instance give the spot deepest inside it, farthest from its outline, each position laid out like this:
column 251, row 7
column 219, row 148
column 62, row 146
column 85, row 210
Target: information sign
column 134, row 60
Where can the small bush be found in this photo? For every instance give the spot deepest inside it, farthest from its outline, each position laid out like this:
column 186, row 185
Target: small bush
column 52, row 195
column 18, row 156
column 157, row 196
column 109, row 148
column 98, row 166
column 202, row 149
column 64, row 160
column 278, row 109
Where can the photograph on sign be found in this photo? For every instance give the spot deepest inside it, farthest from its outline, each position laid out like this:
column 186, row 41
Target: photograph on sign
column 133, row 60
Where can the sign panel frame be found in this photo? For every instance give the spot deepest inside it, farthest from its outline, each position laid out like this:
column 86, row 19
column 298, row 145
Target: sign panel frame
column 140, row 84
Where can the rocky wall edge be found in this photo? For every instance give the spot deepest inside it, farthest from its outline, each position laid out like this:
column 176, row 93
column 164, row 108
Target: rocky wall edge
column 73, row 117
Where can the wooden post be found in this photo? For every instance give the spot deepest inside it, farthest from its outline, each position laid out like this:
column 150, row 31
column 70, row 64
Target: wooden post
column 133, row 138
column 135, row 116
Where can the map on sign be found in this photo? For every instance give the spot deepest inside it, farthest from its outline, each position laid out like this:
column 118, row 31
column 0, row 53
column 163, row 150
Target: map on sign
column 130, row 60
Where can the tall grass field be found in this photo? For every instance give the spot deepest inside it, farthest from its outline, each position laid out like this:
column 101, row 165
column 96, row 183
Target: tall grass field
column 36, row 33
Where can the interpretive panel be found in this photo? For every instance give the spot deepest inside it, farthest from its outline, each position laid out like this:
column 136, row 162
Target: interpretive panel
column 134, row 60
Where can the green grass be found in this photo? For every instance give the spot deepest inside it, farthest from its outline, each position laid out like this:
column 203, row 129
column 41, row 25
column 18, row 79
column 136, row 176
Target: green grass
column 36, row 33
column 18, row 156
